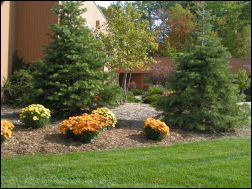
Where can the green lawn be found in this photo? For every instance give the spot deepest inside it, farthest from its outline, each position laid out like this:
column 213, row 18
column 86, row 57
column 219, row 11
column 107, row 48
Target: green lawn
column 218, row 163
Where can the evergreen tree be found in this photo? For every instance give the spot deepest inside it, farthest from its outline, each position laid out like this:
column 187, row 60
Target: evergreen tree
column 205, row 98
column 71, row 73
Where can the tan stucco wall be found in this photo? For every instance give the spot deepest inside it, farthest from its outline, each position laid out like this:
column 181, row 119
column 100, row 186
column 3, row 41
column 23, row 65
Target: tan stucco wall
column 7, row 37
column 93, row 14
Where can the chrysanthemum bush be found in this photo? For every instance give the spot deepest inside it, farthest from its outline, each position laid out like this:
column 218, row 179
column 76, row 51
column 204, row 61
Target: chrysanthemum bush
column 108, row 114
column 35, row 116
column 6, row 127
column 85, row 127
column 155, row 129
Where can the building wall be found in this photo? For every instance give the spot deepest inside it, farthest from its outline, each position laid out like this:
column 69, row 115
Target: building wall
column 7, row 37
column 32, row 21
column 93, row 14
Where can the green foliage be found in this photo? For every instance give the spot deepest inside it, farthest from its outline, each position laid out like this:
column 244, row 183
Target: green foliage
column 132, row 98
column 151, row 99
column 242, row 80
column 232, row 22
column 71, row 73
column 18, row 88
column 110, row 95
column 85, row 137
column 155, row 90
column 152, row 134
column 137, row 91
column 128, row 42
column 206, row 99
column 18, row 63
column 166, row 50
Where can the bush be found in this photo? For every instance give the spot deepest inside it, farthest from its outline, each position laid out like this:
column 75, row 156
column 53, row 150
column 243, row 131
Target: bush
column 155, row 90
column 6, row 127
column 109, row 95
column 18, row 88
column 131, row 97
column 85, row 127
column 155, row 129
column 151, row 99
column 108, row 114
column 137, row 92
column 71, row 72
column 35, row 116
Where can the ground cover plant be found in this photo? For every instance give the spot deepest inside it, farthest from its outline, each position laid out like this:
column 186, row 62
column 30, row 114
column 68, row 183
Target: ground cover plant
column 217, row 164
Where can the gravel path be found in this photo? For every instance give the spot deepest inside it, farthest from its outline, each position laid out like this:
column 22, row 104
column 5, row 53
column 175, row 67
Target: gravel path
column 128, row 133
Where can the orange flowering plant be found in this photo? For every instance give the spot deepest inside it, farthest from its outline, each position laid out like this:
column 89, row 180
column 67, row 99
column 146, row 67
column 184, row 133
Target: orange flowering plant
column 6, row 127
column 155, row 129
column 84, row 127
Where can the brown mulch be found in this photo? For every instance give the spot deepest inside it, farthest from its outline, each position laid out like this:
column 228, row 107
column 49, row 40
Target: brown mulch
column 128, row 133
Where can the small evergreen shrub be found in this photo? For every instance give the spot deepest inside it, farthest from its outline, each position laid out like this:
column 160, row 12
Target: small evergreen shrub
column 151, row 99
column 131, row 97
column 85, row 127
column 206, row 97
column 71, row 76
column 18, row 88
column 108, row 114
column 155, row 129
column 137, row 92
column 110, row 94
column 6, row 128
column 35, row 116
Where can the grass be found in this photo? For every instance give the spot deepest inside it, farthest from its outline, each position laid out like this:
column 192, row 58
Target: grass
column 217, row 163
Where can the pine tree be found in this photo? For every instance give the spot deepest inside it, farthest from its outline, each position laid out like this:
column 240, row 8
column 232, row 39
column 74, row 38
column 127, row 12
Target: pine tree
column 71, row 73
column 205, row 98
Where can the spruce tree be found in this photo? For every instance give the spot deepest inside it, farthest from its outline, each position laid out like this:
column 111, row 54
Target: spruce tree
column 71, row 73
column 205, row 98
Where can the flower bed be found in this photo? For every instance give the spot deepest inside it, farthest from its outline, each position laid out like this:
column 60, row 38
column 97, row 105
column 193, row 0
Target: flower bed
column 108, row 114
column 155, row 129
column 6, row 127
column 35, row 116
column 85, row 127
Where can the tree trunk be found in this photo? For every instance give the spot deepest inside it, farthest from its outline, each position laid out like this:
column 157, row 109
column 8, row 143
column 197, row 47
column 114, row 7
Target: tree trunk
column 127, row 88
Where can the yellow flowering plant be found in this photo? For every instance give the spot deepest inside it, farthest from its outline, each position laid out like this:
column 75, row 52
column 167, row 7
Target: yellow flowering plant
column 84, row 127
column 35, row 115
column 6, row 127
column 155, row 129
column 106, row 113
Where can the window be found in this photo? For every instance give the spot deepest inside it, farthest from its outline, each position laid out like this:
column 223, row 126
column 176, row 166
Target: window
column 97, row 24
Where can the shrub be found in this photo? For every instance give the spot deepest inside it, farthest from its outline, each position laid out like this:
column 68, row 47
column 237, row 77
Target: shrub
column 131, row 97
column 109, row 95
column 155, row 90
column 159, row 73
column 108, row 114
column 137, row 92
column 35, row 116
column 85, row 127
column 155, row 129
column 6, row 127
column 71, row 72
column 151, row 99
column 17, row 89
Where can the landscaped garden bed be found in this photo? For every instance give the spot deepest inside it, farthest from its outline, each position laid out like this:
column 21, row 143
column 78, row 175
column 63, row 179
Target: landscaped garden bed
column 127, row 133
